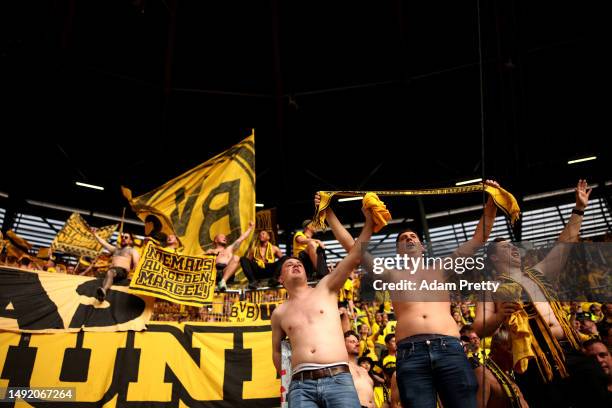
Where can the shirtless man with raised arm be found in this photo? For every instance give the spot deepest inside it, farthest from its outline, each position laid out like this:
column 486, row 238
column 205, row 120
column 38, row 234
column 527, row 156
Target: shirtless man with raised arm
column 124, row 259
column 363, row 382
column 570, row 380
column 226, row 262
column 310, row 319
column 430, row 356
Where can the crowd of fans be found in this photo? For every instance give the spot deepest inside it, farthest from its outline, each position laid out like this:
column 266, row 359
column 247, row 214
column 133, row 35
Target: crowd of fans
column 371, row 322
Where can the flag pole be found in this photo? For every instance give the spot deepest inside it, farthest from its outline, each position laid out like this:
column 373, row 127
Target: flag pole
column 121, row 227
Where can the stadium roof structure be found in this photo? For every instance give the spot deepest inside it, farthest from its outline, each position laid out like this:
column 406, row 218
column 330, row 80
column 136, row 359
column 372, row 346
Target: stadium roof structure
column 342, row 95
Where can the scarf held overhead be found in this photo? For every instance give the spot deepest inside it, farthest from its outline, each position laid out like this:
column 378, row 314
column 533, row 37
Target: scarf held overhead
column 502, row 198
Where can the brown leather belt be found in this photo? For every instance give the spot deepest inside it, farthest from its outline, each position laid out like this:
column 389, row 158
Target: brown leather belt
column 320, row 373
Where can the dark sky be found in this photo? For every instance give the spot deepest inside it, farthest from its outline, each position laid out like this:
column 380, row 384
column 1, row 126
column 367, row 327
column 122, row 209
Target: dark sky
column 376, row 95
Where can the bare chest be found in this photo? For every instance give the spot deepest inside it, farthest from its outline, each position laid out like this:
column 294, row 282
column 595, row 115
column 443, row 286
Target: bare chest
column 125, row 252
column 300, row 317
column 539, row 301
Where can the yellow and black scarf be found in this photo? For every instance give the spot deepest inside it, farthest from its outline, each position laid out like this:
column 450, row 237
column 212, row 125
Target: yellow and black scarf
column 502, row 198
column 267, row 259
column 509, row 387
column 548, row 352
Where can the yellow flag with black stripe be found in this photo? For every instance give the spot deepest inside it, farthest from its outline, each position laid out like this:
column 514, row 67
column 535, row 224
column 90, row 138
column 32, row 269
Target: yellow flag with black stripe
column 216, row 197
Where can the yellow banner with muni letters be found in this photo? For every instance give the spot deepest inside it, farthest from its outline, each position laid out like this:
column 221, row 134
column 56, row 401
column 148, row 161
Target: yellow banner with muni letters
column 166, row 274
column 170, row 365
column 216, row 197
column 76, row 237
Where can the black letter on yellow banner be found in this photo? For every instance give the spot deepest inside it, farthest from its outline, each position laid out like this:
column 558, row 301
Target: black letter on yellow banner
column 232, row 210
column 181, row 220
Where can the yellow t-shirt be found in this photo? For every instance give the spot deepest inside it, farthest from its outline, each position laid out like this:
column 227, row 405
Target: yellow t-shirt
column 389, row 359
column 346, row 293
column 380, row 393
column 389, row 328
column 367, row 345
column 297, row 247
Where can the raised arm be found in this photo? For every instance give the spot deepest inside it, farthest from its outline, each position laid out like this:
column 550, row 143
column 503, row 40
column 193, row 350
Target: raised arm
column 341, row 234
column 483, row 229
column 244, row 236
column 554, row 261
column 335, row 280
column 110, row 248
column 277, row 252
column 277, row 337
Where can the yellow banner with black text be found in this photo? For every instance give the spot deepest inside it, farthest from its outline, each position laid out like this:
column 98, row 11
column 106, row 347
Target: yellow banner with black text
column 76, row 237
column 216, row 197
column 171, row 364
column 251, row 312
column 162, row 273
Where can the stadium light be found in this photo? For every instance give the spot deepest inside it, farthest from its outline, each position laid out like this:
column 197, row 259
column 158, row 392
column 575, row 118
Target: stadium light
column 78, row 183
column 582, row 160
column 259, row 205
column 462, row 183
column 349, row 199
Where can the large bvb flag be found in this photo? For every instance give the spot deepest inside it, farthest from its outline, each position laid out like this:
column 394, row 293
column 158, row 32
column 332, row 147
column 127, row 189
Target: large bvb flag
column 216, row 197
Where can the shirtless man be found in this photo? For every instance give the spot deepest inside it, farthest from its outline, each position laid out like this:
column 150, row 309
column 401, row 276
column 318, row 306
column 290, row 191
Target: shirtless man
column 226, row 262
column 362, row 380
column 507, row 265
column 310, row 318
column 496, row 388
column 124, row 259
column 430, row 356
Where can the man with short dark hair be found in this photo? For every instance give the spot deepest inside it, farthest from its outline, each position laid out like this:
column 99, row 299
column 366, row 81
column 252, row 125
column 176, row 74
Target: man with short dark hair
column 598, row 350
column 391, row 356
column 430, row 357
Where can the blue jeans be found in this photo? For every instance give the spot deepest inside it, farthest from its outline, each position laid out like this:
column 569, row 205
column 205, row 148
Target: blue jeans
column 435, row 367
column 337, row 391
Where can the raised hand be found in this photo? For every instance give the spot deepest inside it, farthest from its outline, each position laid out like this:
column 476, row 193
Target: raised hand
column 582, row 195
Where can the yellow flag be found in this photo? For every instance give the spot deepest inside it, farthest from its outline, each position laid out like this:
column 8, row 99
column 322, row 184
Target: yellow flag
column 76, row 237
column 216, row 197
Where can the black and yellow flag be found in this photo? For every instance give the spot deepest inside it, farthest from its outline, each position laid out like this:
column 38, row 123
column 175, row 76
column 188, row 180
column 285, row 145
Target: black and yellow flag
column 216, row 197
column 178, row 278
column 76, row 237
column 47, row 302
